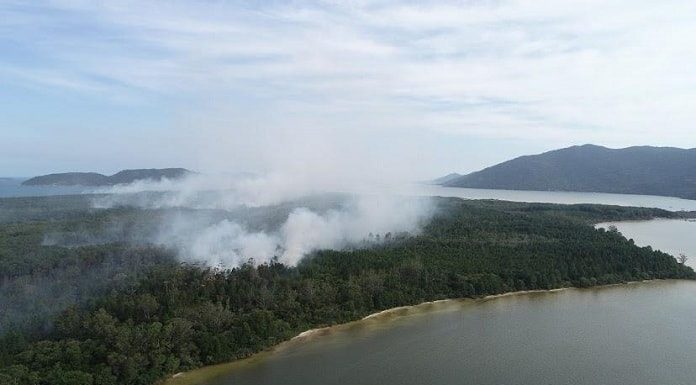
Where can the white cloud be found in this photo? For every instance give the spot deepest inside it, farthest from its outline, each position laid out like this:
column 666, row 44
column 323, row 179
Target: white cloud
column 612, row 72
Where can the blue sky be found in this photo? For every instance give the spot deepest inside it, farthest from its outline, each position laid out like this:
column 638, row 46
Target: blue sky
column 405, row 89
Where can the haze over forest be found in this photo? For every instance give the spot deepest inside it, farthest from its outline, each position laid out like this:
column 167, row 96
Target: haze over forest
column 304, row 134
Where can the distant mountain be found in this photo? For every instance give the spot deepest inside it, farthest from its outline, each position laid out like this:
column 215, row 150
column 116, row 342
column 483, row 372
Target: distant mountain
column 645, row 170
column 96, row 179
column 69, row 179
column 129, row 176
column 447, row 178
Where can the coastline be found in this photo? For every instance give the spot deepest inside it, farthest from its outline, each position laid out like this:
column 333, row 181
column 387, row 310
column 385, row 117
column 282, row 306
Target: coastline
column 205, row 373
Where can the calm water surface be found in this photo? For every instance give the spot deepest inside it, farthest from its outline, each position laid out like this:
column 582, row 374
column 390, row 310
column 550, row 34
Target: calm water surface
column 630, row 334
column 561, row 197
column 12, row 187
column 672, row 236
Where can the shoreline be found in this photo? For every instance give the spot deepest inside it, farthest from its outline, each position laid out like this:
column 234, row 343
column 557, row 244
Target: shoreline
column 208, row 372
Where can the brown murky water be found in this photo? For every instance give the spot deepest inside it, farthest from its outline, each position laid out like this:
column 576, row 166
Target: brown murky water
column 636, row 334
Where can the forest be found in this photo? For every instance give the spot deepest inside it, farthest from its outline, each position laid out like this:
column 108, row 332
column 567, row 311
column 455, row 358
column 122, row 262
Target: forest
column 128, row 312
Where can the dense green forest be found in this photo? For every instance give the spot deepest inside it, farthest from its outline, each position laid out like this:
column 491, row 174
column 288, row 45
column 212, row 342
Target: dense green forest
column 125, row 312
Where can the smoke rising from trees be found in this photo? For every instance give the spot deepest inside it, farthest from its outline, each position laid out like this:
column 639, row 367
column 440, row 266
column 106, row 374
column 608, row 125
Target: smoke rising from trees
column 269, row 217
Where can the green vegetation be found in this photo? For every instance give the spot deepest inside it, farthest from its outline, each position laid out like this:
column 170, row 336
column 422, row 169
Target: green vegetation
column 634, row 170
column 117, row 313
column 96, row 179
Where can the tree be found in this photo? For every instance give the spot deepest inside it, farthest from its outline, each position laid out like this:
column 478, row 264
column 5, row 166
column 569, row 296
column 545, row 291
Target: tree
column 156, row 317
column 682, row 258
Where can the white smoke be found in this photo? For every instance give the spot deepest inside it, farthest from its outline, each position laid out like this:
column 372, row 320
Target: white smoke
column 228, row 242
column 201, row 191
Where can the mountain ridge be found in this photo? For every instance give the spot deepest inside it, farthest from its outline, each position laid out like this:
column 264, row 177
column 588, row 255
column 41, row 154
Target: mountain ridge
column 647, row 170
column 96, row 179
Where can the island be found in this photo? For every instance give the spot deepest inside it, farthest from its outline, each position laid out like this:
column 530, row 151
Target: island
column 646, row 170
column 96, row 179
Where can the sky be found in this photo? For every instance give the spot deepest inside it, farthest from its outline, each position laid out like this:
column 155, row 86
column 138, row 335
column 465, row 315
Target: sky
column 406, row 90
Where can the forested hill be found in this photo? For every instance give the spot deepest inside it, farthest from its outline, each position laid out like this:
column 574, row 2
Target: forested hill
column 634, row 170
column 96, row 179
column 118, row 313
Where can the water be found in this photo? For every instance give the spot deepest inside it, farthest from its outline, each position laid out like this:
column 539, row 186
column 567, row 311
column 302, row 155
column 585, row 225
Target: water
column 673, row 236
column 561, row 197
column 12, row 187
column 640, row 334
column 632, row 334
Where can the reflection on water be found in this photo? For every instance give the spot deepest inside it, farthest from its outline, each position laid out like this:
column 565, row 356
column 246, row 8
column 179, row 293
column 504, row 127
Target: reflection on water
column 630, row 334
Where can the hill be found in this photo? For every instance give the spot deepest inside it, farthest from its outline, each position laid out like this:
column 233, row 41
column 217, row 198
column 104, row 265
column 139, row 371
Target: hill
column 644, row 170
column 96, row 179
column 68, row 179
column 447, row 178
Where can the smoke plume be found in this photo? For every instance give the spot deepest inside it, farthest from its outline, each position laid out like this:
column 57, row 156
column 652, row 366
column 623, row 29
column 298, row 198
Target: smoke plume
column 225, row 221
